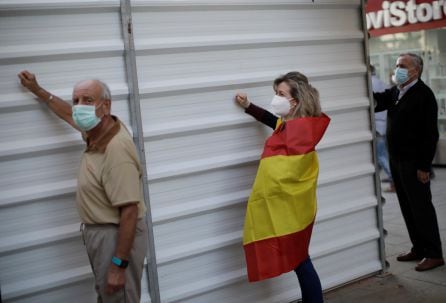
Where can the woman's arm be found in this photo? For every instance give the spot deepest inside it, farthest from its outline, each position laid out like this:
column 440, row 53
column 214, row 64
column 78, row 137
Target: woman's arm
column 259, row 113
column 61, row 108
column 262, row 115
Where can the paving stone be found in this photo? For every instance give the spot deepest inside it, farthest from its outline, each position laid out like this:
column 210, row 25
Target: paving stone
column 435, row 276
column 402, row 284
column 393, row 250
column 398, row 268
column 389, row 289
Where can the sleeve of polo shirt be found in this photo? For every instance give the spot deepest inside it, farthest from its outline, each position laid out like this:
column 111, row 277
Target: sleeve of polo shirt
column 122, row 184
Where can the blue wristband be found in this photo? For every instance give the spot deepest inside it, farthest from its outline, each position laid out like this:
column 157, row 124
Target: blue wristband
column 119, row 262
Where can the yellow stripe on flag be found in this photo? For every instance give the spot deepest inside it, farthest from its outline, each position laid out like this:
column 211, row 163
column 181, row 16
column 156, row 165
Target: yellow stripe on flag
column 283, row 199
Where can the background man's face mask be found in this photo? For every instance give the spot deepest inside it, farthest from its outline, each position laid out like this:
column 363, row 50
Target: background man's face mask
column 280, row 106
column 84, row 116
column 400, row 76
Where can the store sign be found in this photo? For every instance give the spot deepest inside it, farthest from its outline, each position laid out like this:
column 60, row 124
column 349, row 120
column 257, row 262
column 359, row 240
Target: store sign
column 389, row 17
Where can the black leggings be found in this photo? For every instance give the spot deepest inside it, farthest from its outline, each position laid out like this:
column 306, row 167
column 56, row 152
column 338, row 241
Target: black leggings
column 310, row 284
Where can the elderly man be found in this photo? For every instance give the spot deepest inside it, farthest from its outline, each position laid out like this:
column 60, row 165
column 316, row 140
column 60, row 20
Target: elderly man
column 412, row 136
column 109, row 197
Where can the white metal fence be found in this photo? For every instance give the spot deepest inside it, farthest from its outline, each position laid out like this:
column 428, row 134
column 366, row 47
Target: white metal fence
column 201, row 149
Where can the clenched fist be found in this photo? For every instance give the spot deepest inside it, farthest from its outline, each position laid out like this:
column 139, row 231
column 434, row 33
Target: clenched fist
column 29, row 81
column 242, row 100
column 115, row 279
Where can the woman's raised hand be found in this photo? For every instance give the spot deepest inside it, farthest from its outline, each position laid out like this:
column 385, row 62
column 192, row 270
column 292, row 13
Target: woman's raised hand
column 242, row 100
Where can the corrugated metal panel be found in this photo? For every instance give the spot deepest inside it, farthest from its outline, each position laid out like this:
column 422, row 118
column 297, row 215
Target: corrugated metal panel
column 202, row 150
column 42, row 257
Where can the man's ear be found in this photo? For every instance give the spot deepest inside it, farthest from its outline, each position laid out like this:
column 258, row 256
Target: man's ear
column 418, row 72
column 107, row 105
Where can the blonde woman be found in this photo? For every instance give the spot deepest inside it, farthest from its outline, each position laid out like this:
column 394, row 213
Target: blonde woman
column 282, row 206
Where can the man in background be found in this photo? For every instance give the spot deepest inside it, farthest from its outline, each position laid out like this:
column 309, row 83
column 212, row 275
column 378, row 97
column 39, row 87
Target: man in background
column 412, row 136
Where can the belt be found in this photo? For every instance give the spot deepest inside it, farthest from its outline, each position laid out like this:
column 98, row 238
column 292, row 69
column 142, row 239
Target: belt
column 83, row 226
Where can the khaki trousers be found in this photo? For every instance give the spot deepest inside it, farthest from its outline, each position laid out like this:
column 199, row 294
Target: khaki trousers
column 100, row 241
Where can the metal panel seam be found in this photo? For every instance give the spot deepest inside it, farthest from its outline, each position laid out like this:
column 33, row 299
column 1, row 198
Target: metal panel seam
column 136, row 120
column 379, row 210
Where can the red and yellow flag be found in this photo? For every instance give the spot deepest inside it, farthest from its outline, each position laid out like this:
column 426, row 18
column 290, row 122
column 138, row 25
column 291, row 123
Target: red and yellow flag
column 282, row 206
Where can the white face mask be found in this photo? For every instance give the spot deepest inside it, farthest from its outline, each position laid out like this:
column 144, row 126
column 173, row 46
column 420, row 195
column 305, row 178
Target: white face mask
column 280, row 106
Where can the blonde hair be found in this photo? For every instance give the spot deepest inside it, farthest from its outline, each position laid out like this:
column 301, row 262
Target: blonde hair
column 301, row 90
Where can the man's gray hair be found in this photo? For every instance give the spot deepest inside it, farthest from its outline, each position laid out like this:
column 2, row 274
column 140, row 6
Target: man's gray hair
column 416, row 60
column 106, row 94
column 105, row 90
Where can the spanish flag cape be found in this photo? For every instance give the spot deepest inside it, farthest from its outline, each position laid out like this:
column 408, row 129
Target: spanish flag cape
column 282, row 206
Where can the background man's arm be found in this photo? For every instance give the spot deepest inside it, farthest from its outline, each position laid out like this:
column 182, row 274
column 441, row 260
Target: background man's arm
column 429, row 137
column 383, row 100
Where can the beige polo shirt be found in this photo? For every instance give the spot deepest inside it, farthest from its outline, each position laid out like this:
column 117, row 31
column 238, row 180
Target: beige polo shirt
column 109, row 177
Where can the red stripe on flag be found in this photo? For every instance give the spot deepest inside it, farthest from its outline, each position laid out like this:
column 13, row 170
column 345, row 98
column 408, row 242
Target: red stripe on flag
column 299, row 136
column 274, row 256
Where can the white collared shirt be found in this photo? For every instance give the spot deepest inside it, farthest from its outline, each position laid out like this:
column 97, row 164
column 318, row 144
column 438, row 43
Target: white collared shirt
column 404, row 90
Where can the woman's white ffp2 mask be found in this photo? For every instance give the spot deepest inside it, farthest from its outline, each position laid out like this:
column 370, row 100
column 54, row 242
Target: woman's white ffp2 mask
column 280, row 106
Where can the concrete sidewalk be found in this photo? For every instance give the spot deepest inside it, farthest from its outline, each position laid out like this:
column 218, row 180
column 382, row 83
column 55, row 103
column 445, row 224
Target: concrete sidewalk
column 402, row 284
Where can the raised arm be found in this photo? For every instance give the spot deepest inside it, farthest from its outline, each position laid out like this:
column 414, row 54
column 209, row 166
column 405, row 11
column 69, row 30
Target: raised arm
column 60, row 107
column 385, row 99
column 259, row 113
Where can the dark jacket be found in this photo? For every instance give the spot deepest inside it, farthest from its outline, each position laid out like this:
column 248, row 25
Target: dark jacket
column 412, row 127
